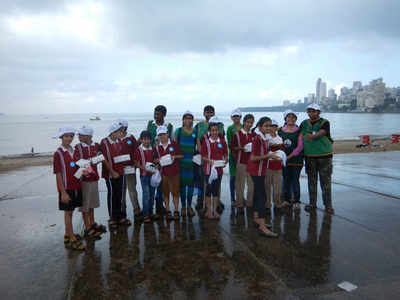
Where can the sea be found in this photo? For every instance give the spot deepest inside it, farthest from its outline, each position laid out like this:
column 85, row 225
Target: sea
column 20, row 133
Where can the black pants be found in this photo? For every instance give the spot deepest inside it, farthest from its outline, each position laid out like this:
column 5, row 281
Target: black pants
column 259, row 195
column 115, row 188
column 213, row 188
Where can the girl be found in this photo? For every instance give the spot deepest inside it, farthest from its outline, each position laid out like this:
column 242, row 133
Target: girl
column 240, row 139
column 185, row 137
column 143, row 155
column 256, row 167
column 170, row 173
column 213, row 148
column 68, row 186
column 293, row 141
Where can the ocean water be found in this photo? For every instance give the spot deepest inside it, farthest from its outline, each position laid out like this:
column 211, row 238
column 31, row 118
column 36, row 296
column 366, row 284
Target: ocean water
column 19, row 133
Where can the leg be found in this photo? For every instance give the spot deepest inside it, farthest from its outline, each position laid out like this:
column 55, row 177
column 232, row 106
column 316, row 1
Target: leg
column 325, row 178
column 311, row 169
column 91, row 216
column 277, row 186
column 216, row 190
column 68, row 225
column 123, row 198
column 117, row 191
column 295, row 179
column 208, row 198
column 182, row 193
column 145, row 182
column 189, row 195
column 131, row 183
column 287, row 182
column 250, row 190
column 232, row 187
column 239, row 184
column 174, row 184
column 267, row 187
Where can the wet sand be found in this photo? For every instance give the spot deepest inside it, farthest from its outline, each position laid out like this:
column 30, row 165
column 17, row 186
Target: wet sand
column 339, row 147
column 200, row 259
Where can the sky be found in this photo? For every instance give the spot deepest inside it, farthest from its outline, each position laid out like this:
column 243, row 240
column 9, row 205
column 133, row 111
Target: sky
column 115, row 56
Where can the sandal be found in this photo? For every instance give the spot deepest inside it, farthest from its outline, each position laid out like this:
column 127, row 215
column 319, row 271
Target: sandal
column 154, row 217
column 77, row 245
column 169, row 216
column 310, row 208
column 100, row 227
column 125, row 222
column 330, row 210
column 67, row 239
column 183, row 212
column 113, row 225
column 191, row 212
column 176, row 215
column 147, row 219
column 297, row 206
column 268, row 234
column 92, row 233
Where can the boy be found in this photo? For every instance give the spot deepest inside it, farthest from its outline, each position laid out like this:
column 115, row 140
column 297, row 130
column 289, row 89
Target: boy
column 273, row 177
column 236, row 116
column 86, row 149
column 112, row 172
column 68, row 186
column 143, row 155
column 129, row 145
column 170, row 173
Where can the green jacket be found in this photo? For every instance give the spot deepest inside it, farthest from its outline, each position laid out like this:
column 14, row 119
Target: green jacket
column 319, row 147
column 290, row 140
column 229, row 135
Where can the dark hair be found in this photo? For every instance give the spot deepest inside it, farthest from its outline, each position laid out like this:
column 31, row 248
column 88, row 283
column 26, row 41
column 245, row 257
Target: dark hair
column 162, row 109
column 212, row 125
column 261, row 122
column 145, row 134
column 248, row 116
column 209, row 108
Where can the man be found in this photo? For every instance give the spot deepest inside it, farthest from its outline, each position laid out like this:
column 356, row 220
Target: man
column 236, row 116
column 318, row 157
column 160, row 111
column 202, row 128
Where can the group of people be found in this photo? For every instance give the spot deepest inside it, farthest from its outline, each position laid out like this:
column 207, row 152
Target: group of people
column 265, row 162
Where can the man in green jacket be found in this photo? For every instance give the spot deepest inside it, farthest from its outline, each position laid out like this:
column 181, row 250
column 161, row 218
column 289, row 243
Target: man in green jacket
column 318, row 157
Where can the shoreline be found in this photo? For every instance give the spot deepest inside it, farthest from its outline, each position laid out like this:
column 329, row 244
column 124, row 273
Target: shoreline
column 13, row 162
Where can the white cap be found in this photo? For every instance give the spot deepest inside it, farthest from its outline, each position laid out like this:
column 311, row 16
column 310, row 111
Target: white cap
column 188, row 112
column 288, row 112
column 274, row 123
column 161, row 130
column 123, row 122
column 64, row 130
column 314, row 106
column 236, row 112
column 114, row 127
column 214, row 120
column 85, row 130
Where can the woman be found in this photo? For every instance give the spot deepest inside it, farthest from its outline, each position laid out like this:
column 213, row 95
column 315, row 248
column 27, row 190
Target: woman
column 293, row 141
column 257, row 167
column 185, row 137
column 214, row 150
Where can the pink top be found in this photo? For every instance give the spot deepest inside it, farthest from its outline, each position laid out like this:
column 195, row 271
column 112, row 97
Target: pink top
column 300, row 144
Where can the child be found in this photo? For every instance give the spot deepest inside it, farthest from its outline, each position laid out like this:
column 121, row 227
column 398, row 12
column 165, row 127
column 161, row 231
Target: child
column 236, row 116
column 170, row 173
column 213, row 148
column 68, row 186
column 257, row 167
column 240, row 139
column 273, row 178
column 129, row 145
column 113, row 173
column 143, row 155
column 86, row 149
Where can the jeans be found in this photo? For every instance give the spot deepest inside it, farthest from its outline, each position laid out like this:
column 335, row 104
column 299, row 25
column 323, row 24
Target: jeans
column 259, row 195
column 291, row 175
column 147, row 195
column 159, row 197
column 232, row 187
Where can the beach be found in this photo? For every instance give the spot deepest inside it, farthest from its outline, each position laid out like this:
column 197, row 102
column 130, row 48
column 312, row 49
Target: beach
column 11, row 162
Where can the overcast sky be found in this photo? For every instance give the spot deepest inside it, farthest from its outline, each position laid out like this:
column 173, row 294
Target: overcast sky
column 128, row 56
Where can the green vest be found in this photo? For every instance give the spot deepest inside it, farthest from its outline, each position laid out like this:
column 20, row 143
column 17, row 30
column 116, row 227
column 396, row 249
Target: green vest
column 229, row 135
column 152, row 127
column 290, row 141
column 318, row 147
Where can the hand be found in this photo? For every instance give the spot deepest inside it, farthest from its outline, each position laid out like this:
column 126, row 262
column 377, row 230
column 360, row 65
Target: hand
column 114, row 174
column 309, row 136
column 211, row 162
column 157, row 161
column 274, row 156
column 65, row 197
column 289, row 157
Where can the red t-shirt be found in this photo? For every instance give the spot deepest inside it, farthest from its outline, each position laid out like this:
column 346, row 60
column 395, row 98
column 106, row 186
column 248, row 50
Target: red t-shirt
column 84, row 151
column 111, row 149
column 214, row 150
column 63, row 162
column 142, row 156
column 259, row 147
column 129, row 145
column 240, row 139
column 174, row 149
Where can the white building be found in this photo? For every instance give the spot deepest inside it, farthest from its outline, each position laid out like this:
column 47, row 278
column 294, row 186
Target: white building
column 372, row 95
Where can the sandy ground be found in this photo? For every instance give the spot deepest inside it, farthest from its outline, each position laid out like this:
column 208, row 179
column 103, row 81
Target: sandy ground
column 339, row 147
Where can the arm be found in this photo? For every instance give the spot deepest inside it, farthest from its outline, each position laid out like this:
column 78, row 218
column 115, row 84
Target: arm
column 299, row 148
column 64, row 196
column 106, row 163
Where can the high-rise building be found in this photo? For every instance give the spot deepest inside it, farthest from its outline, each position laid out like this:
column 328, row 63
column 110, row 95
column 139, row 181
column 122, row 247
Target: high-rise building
column 372, row 95
column 323, row 90
column 318, row 90
column 357, row 86
column 332, row 95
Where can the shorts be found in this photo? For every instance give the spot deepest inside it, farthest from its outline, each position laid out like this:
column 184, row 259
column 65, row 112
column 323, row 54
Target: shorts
column 214, row 188
column 90, row 195
column 76, row 200
column 170, row 184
